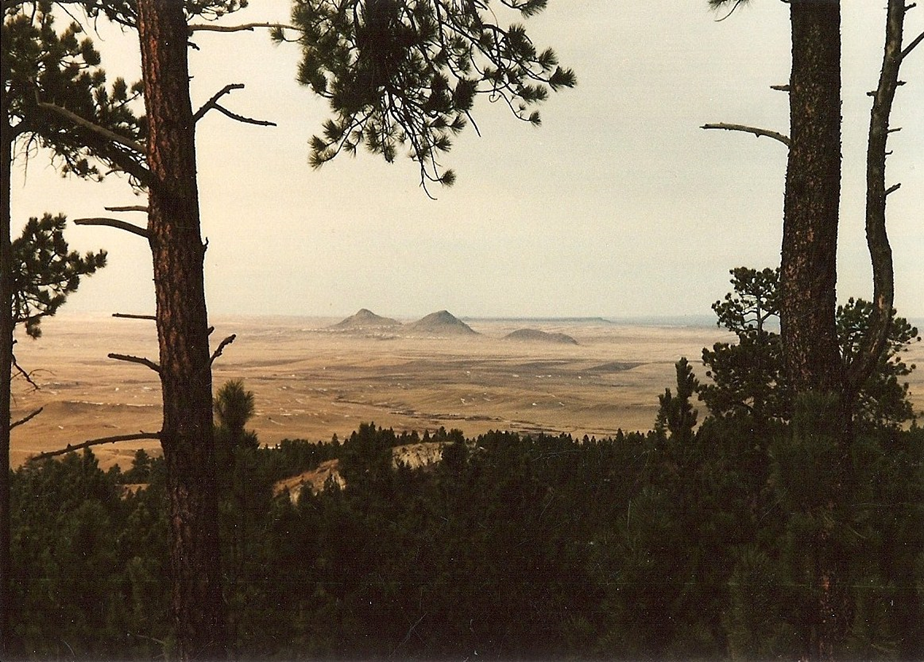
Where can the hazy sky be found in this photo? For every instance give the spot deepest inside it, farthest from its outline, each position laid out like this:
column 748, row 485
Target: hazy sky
column 619, row 205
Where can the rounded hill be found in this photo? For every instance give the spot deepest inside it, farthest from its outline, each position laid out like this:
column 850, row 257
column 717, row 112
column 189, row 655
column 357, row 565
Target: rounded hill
column 535, row 335
column 442, row 323
column 365, row 319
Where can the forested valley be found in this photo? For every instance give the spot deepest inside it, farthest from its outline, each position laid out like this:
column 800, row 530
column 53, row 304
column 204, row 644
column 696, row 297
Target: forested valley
column 677, row 543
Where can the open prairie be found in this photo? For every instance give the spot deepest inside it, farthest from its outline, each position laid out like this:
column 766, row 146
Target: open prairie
column 312, row 381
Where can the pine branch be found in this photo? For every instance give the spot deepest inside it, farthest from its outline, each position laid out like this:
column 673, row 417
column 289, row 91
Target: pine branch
column 135, row 317
column 750, row 129
column 910, row 47
column 142, row 208
column 114, row 223
column 25, row 374
column 23, row 421
column 227, row 89
column 97, row 442
column 136, row 359
column 221, row 347
column 242, row 118
column 246, row 27
column 87, row 124
column 213, row 104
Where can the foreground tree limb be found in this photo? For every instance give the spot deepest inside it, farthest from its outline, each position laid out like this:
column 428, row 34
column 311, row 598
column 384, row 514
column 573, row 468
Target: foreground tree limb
column 221, row 347
column 245, row 27
column 135, row 359
column 141, row 208
column 749, row 129
column 26, row 419
column 114, row 223
column 877, row 238
column 131, row 316
column 97, row 442
column 105, row 133
column 213, row 104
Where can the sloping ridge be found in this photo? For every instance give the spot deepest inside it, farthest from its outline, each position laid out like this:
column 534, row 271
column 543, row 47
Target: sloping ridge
column 366, row 319
column 414, row 456
column 535, row 335
column 441, row 323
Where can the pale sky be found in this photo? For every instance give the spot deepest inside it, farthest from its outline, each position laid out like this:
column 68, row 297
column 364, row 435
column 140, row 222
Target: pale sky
column 618, row 206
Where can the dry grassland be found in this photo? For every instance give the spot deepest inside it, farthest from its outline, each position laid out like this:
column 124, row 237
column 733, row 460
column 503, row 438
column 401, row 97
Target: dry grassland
column 312, row 382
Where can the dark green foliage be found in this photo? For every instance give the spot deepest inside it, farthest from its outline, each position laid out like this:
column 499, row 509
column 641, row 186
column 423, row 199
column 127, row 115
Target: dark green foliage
column 63, row 69
column 234, row 407
column 406, row 73
column 883, row 398
column 749, row 377
column 88, row 578
column 46, row 271
column 644, row 546
column 676, row 415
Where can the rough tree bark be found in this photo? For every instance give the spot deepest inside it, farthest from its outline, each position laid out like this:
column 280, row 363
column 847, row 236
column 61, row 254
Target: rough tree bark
column 808, row 278
column 182, row 325
column 6, row 367
column 876, row 193
column 808, row 268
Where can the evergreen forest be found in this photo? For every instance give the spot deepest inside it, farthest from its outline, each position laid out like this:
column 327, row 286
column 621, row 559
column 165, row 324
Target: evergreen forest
column 679, row 543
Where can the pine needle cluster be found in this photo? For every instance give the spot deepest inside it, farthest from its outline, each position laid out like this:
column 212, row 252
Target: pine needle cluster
column 406, row 73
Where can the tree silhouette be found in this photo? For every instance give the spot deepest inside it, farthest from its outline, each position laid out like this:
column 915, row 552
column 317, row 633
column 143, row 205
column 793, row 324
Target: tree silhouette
column 808, row 268
column 750, row 376
column 234, row 407
column 46, row 271
column 50, row 77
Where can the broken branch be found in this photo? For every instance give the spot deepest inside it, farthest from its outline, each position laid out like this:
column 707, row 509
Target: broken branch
column 97, row 442
column 208, row 105
column 143, row 208
column 23, row 421
column 136, row 359
column 114, row 223
column 25, row 375
column 221, row 346
column 910, row 47
column 213, row 103
column 130, row 316
column 750, row 129
column 246, row 27
column 242, row 118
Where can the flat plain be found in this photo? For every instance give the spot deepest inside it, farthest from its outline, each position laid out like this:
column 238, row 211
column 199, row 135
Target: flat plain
column 312, row 381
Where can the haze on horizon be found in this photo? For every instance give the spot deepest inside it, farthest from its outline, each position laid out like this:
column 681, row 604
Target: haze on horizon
column 618, row 206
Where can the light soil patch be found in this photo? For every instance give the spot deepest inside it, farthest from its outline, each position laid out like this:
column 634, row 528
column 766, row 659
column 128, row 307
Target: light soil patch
column 312, row 383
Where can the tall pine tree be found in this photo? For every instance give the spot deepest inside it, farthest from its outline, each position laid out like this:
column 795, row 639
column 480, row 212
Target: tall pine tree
column 49, row 77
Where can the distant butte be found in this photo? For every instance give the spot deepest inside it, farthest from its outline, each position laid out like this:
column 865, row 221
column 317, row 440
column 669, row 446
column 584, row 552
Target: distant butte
column 366, row 319
column 441, row 323
column 535, row 335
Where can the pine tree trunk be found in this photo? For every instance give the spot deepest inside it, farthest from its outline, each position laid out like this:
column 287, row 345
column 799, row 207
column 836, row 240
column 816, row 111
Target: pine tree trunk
column 182, row 325
column 6, row 369
column 808, row 270
column 808, row 278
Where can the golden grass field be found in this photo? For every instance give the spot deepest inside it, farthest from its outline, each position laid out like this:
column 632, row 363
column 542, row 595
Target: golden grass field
column 311, row 382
